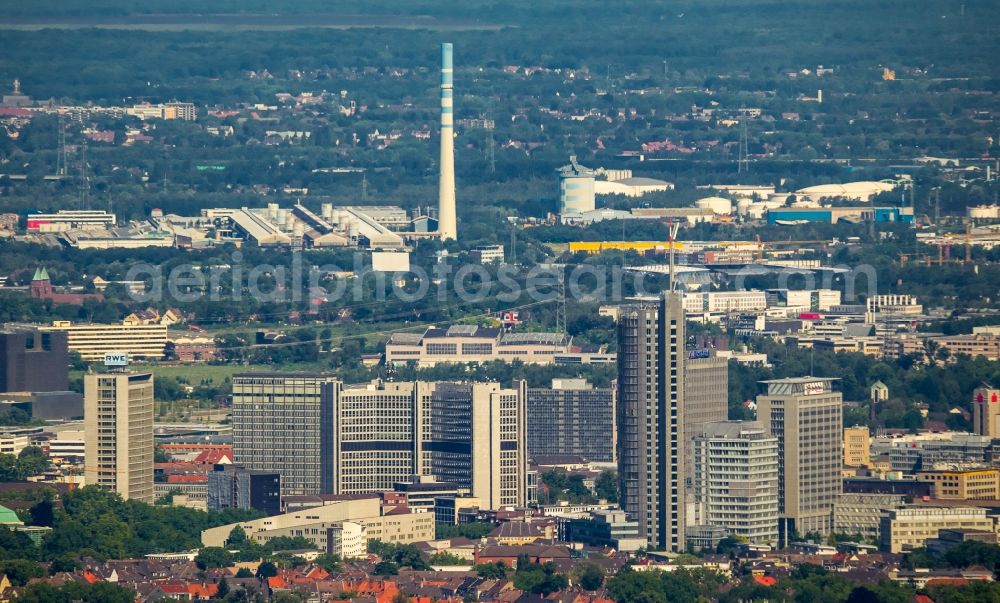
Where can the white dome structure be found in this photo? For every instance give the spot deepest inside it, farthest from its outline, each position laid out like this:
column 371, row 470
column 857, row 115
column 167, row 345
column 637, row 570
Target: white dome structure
column 720, row 206
column 857, row 191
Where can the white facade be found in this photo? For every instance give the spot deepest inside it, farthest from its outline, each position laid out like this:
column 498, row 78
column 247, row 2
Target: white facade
column 70, row 219
column 736, row 480
column 93, row 341
column 70, row 445
column 576, row 188
column 725, row 301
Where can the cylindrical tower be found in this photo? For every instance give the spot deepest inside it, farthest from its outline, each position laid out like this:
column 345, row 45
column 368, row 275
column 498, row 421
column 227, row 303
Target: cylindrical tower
column 576, row 188
column 447, row 226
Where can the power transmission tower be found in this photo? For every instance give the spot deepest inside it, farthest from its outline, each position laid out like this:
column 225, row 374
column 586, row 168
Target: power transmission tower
column 61, row 156
column 561, row 311
column 513, row 245
column 364, row 186
column 491, row 149
column 84, row 178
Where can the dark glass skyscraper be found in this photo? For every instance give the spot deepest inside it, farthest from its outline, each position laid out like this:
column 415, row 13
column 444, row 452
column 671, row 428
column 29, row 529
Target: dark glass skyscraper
column 651, row 419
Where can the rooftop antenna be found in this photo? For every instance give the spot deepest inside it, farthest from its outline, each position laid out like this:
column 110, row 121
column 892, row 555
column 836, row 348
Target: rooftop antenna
column 743, row 164
column 673, row 228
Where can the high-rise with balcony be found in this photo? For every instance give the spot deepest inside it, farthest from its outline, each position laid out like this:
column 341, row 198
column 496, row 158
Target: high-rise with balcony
column 118, row 431
column 650, row 419
column 806, row 416
column 736, row 480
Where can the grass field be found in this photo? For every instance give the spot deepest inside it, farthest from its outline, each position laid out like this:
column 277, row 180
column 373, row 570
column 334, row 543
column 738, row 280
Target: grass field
column 194, row 374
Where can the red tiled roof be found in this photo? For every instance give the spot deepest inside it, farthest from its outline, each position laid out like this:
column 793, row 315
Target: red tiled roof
column 212, row 457
column 186, row 479
column 765, row 580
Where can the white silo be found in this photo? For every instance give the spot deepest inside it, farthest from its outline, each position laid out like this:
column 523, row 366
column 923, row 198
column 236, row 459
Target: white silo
column 720, row 206
column 326, row 211
column 576, row 188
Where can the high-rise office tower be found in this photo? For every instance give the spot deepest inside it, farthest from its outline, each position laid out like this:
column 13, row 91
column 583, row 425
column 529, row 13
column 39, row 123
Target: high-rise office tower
column 118, row 433
column 651, row 441
column 986, row 411
column 572, row 417
column 806, row 416
column 736, row 480
column 276, row 427
column 33, row 361
column 706, row 398
column 469, row 434
column 447, row 225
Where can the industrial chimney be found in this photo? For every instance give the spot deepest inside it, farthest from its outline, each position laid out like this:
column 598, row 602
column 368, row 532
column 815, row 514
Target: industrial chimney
column 447, row 226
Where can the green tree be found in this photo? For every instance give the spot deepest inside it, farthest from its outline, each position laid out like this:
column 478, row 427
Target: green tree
column 329, row 562
column 606, row 486
column 267, row 570
column 492, row 571
column 19, row 571
column 590, row 576
column 99, row 592
column 538, row 579
column 444, row 558
column 386, row 568
column 212, row 557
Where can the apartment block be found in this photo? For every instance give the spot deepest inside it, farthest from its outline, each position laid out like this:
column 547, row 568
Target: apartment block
column 572, row 417
column 736, row 480
column 118, row 431
column 806, row 415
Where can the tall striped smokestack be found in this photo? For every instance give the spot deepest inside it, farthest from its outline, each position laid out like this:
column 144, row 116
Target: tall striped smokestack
column 447, row 225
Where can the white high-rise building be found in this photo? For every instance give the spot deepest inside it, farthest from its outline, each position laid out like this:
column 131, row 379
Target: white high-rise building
column 118, row 433
column 736, row 480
